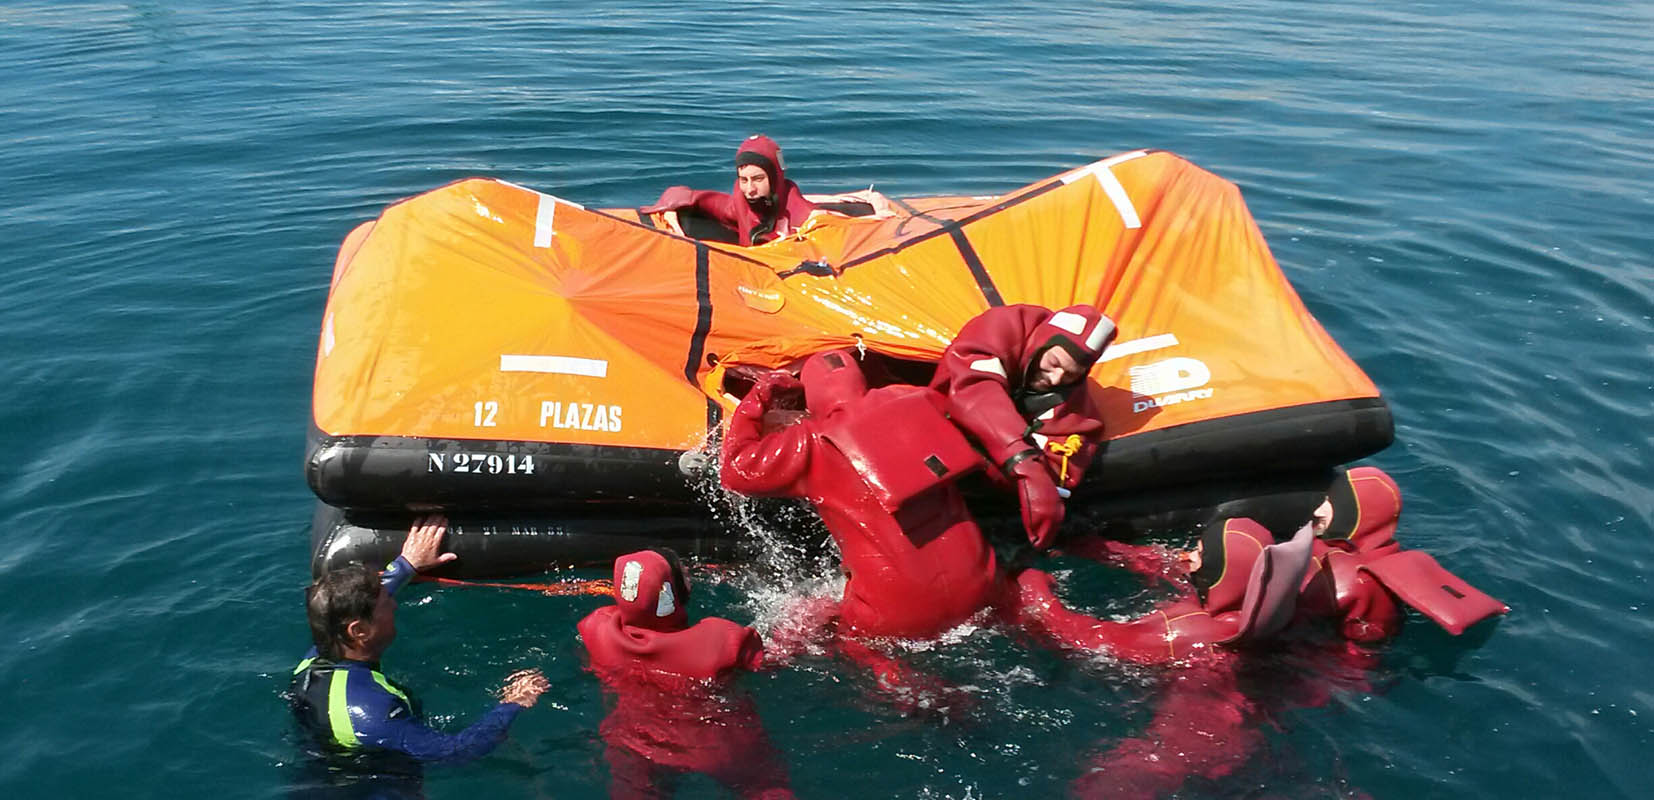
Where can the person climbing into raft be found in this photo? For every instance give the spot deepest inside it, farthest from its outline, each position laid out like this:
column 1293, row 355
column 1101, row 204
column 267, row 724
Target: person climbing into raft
column 881, row 468
column 1014, row 379
column 916, row 560
column 671, row 711
column 358, row 716
column 764, row 204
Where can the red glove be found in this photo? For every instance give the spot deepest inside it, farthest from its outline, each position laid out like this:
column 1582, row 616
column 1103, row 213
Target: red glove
column 675, row 197
column 1042, row 508
column 764, row 390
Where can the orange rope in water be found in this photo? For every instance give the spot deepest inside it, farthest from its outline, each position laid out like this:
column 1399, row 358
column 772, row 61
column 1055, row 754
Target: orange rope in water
column 567, row 588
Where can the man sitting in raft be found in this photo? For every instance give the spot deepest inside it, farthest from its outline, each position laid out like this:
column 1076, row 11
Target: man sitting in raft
column 764, row 204
column 1014, row 379
column 671, row 713
column 338, row 693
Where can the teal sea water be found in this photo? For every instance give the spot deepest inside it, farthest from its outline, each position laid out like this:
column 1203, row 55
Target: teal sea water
column 1463, row 193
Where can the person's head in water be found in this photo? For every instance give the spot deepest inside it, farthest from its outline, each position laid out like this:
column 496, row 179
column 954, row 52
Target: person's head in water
column 350, row 613
column 652, row 589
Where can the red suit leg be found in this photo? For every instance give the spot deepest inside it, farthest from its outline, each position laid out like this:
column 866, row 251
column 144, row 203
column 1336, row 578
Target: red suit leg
column 1200, row 730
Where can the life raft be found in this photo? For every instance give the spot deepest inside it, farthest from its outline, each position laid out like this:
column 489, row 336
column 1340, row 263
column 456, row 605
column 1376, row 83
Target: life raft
column 540, row 370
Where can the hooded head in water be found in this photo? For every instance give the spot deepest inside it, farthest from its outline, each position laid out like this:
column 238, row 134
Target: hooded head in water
column 652, row 590
column 1227, row 553
column 1362, row 508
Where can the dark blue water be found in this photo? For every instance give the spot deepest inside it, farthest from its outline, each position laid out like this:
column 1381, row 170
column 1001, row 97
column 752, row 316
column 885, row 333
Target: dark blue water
column 1460, row 191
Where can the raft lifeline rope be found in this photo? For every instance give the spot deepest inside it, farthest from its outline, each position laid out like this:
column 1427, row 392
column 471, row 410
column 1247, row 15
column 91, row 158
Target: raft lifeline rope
column 567, row 588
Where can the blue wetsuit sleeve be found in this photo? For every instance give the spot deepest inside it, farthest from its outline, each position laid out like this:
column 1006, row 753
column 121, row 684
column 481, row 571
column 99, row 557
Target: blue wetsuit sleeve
column 397, row 574
column 410, row 736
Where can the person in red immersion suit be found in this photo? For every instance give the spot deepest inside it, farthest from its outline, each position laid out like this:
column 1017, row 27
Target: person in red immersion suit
column 1014, row 379
column 879, row 467
column 1202, row 726
column 1243, row 586
column 1360, row 575
column 671, row 713
column 1356, row 574
column 764, row 204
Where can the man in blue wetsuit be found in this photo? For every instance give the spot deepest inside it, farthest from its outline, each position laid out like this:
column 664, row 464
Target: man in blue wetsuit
column 355, row 713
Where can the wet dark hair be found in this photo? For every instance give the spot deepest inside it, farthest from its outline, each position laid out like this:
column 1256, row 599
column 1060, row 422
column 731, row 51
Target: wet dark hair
column 343, row 595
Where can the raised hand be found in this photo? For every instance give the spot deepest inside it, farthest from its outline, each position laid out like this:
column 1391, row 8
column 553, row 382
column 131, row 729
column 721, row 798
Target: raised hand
column 423, row 547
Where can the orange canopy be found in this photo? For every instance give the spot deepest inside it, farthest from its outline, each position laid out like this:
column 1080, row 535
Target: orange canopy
column 485, row 310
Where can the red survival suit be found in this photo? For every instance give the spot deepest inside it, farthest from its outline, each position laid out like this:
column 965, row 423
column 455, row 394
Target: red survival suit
column 879, row 467
column 1201, row 728
column 755, row 222
column 1246, row 588
column 670, row 715
column 1028, row 434
column 1360, row 570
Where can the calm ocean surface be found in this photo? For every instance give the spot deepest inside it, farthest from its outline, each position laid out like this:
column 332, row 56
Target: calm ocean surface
column 1462, row 192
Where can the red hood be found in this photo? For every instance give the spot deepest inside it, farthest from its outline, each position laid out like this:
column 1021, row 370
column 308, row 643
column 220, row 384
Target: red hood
column 832, row 381
column 763, row 151
column 651, row 591
column 1081, row 330
column 787, row 207
column 1366, row 503
column 1228, row 553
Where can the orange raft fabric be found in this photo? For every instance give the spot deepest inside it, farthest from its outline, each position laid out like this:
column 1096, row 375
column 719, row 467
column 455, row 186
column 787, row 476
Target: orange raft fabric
column 485, row 310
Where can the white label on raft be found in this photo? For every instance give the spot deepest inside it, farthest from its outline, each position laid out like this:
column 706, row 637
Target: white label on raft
column 1135, row 346
column 580, row 416
column 463, row 463
column 1169, row 382
column 1171, row 375
column 556, row 365
column 1111, row 185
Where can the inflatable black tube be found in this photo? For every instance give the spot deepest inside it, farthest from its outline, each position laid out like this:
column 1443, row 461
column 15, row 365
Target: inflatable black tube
column 525, row 543
column 1298, row 439
column 501, row 545
column 395, row 472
